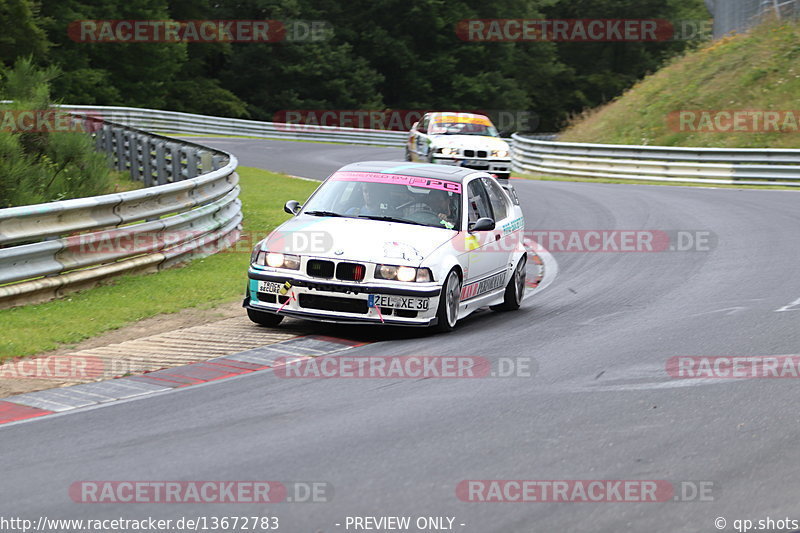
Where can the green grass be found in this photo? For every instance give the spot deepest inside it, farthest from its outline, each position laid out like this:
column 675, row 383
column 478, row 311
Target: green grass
column 758, row 70
column 204, row 283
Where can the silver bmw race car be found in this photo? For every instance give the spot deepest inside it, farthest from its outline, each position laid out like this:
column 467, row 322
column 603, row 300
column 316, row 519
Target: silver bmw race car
column 406, row 244
column 461, row 139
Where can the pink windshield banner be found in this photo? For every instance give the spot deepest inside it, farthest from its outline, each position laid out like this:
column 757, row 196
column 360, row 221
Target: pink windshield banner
column 414, row 181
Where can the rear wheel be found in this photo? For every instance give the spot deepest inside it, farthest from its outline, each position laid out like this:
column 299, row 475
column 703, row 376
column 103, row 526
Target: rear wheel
column 264, row 319
column 515, row 290
column 447, row 313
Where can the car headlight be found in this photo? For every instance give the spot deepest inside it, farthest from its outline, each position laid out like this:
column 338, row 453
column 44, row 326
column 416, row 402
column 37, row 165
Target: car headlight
column 403, row 273
column 448, row 151
column 499, row 153
column 275, row 260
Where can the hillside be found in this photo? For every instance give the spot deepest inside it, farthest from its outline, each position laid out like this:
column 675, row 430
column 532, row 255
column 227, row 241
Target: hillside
column 741, row 91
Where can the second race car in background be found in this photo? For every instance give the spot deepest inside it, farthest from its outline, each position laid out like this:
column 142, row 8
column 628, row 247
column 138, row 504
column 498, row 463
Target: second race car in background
column 462, row 139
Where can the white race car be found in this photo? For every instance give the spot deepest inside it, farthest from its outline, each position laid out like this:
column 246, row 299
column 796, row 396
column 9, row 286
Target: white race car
column 406, row 244
column 462, row 139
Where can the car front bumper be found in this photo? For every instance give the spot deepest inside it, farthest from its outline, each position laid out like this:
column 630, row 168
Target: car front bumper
column 338, row 301
column 492, row 166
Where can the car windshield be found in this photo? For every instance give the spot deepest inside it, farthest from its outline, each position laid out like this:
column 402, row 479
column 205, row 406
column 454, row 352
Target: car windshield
column 464, row 128
column 389, row 197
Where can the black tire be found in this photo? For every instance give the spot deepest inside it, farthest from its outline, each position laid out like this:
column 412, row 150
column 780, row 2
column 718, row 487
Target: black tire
column 515, row 290
column 447, row 313
column 264, row 319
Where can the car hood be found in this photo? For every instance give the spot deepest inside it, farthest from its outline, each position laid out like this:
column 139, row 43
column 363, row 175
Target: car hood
column 357, row 239
column 470, row 142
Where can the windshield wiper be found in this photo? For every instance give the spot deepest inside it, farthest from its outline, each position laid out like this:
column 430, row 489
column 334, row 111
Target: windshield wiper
column 391, row 219
column 323, row 214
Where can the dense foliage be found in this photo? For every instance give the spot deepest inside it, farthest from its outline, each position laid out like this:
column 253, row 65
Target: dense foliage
column 396, row 54
column 39, row 160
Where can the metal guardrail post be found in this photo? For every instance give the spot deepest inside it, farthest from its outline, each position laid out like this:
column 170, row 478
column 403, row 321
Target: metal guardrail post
column 147, row 170
column 161, row 163
column 206, row 161
column 175, row 160
column 119, row 148
column 191, row 163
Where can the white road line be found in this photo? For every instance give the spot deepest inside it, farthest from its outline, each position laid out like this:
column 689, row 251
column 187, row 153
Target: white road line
column 795, row 304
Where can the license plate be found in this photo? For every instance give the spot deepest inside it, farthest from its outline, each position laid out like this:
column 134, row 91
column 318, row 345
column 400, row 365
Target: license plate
column 269, row 286
column 471, row 162
column 398, row 302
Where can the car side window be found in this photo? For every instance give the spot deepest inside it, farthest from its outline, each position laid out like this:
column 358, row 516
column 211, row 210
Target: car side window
column 497, row 198
column 423, row 125
column 478, row 205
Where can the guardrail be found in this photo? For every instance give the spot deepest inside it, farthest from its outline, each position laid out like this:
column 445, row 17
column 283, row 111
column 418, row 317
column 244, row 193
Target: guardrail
column 189, row 208
column 188, row 123
column 730, row 166
column 175, row 122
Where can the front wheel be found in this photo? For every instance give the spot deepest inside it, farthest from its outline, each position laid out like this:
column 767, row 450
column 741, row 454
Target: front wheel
column 447, row 313
column 264, row 319
column 515, row 290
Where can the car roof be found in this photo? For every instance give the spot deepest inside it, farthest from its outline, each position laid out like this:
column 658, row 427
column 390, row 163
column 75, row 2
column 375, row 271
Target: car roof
column 438, row 114
column 421, row 170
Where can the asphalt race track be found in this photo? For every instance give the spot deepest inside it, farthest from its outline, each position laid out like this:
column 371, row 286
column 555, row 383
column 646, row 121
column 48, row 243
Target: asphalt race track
column 599, row 406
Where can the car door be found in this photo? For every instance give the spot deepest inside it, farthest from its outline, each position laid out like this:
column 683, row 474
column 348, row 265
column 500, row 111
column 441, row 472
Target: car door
column 487, row 263
column 508, row 230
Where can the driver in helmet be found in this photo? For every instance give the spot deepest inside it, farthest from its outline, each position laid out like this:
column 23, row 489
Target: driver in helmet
column 371, row 195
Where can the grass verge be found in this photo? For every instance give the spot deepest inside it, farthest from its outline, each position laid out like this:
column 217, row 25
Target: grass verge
column 753, row 72
column 204, row 283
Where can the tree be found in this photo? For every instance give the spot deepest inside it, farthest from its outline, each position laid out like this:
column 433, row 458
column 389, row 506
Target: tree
column 21, row 35
column 37, row 163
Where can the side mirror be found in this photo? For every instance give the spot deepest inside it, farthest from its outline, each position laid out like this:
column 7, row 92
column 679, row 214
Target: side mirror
column 292, row 207
column 482, row 224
